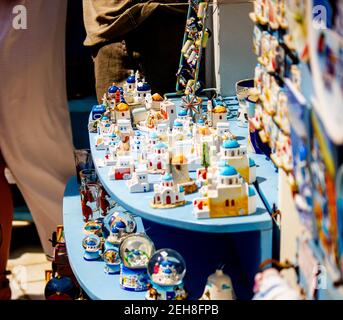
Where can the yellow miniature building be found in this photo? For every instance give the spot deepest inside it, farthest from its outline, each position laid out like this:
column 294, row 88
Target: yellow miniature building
column 232, row 153
column 227, row 195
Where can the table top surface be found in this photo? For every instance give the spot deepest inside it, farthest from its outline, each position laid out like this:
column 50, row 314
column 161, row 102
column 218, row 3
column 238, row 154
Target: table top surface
column 102, row 286
column 183, row 217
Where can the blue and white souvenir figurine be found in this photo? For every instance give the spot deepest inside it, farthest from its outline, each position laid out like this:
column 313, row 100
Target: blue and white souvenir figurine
column 166, row 270
column 135, row 251
column 98, row 111
column 112, row 260
column 92, row 245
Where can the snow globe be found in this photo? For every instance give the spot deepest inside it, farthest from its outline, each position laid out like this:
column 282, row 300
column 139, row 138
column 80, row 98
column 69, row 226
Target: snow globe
column 135, row 251
column 92, row 245
column 116, row 227
column 166, row 270
column 112, row 261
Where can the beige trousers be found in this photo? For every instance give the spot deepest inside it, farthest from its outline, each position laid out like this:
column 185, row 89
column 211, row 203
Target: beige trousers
column 35, row 132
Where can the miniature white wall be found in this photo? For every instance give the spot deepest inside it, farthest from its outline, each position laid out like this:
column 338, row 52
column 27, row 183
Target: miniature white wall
column 233, row 36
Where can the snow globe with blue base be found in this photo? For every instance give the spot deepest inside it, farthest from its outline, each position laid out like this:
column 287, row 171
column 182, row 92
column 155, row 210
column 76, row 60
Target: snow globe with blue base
column 135, row 250
column 166, row 270
column 92, row 245
column 112, row 261
column 116, row 227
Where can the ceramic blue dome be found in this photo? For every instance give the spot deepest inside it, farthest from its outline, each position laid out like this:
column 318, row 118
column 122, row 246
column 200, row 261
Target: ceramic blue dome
column 177, row 124
column 251, row 163
column 181, row 189
column 131, row 79
column 153, row 135
column 182, row 113
column 230, row 144
column 104, row 118
column 228, row 171
column 165, row 263
column 167, row 271
column 138, row 133
column 113, row 135
column 167, row 177
column 160, row 145
column 143, row 87
column 113, row 89
column 201, row 121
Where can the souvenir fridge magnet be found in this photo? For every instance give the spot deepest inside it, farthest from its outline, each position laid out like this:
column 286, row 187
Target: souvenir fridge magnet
column 135, row 252
column 166, row 269
column 326, row 52
column 218, row 287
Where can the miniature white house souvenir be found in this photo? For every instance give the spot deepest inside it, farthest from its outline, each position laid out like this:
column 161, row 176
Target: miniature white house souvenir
column 179, row 171
column 237, row 156
column 91, row 244
column 123, row 169
column 218, row 287
column 112, row 261
column 166, row 269
column 168, row 108
column 139, row 181
column 167, row 194
column 226, row 194
column 135, row 252
column 154, row 102
column 158, row 159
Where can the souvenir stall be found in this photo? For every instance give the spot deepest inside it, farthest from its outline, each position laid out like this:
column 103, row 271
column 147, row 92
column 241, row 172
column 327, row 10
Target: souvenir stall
column 184, row 195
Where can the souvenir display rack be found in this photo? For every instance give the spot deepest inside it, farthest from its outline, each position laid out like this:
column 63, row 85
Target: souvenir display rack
column 284, row 47
column 194, row 42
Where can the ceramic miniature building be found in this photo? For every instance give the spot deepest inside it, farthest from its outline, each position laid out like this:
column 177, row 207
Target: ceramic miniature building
column 167, row 194
column 158, row 160
column 236, row 155
column 143, row 89
column 122, row 111
column 179, row 171
column 227, row 195
column 139, row 181
column 154, row 102
column 123, row 169
column 217, row 114
column 168, row 109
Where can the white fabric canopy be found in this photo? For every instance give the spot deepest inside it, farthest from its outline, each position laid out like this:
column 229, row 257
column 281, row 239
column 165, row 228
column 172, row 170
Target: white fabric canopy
column 35, row 132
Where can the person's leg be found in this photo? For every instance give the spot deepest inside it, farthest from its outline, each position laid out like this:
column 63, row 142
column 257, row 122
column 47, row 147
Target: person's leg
column 111, row 64
column 6, row 217
column 158, row 42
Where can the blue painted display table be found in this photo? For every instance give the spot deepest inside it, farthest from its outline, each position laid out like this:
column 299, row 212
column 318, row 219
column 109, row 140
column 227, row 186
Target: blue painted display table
column 89, row 274
column 239, row 243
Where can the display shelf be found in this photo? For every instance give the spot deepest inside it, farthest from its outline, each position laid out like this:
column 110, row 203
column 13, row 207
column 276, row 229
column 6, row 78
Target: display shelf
column 99, row 287
column 181, row 217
